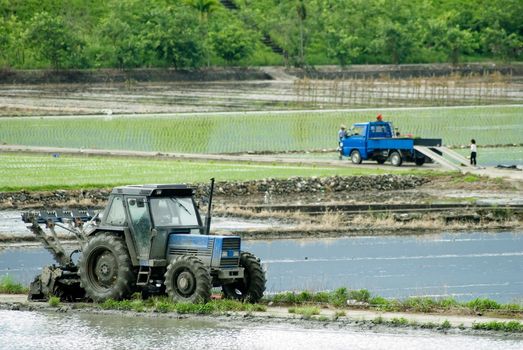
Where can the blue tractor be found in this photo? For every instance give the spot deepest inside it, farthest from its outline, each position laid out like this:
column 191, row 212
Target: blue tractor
column 150, row 238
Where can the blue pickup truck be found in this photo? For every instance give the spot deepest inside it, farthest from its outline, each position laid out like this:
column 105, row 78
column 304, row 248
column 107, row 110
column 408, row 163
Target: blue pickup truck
column 377, row 141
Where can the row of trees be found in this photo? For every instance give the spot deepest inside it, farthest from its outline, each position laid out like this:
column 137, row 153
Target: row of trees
column 194, row 33
column 392, row 31
column 122, row 34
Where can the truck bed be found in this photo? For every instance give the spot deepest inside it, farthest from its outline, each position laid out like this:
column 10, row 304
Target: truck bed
column 401, row 143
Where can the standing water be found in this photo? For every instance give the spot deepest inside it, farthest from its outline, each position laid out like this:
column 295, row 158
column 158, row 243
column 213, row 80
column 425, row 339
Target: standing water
column 461, row 265
column 32, row 330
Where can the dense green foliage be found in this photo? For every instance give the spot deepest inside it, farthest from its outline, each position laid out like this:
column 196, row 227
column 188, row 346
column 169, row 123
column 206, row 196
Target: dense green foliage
column 194, row 33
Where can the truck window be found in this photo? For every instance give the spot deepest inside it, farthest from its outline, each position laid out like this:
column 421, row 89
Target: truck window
column 357, row 130
column 116, row 215
column 379, row 131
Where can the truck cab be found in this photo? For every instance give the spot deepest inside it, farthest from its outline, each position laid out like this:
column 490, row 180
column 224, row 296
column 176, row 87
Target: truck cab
column 377, row 141
column 356, row 142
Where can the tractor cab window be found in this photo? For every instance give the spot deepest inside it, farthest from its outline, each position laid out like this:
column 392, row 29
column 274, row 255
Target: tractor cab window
column 141, row 223
column 116, row 215
column 174, row 211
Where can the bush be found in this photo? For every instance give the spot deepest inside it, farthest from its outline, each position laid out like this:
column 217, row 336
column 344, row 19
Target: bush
column 445, row 325
column 339, row 297
column 9, row 286
column 362, row 295
column 483, row 304
column 54, row 301
column 321, row 297
column 284, row 298
column 420, row 304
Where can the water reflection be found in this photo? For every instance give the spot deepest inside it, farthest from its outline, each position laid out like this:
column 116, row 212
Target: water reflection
column 31, row 330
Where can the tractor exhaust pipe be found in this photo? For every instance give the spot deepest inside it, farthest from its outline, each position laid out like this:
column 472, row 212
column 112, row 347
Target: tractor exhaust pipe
column 208, row 217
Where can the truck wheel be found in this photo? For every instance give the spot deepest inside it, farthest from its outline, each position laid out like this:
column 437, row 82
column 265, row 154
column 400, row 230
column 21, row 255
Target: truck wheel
column 252, row 286
column 395, row 159
column 187, row 280
column 105, row 268
column 355, row 156
column 420, row 161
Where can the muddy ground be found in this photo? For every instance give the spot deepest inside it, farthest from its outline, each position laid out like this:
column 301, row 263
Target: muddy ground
column 328, row 207
column 265, row 88
column 328, row 317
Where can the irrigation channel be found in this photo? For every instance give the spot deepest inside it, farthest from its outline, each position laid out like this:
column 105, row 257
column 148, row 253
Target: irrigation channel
column 37, row 330
column 464, row 265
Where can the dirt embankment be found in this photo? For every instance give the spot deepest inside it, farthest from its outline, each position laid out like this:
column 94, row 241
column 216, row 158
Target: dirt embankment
column 229, row 190
column 49, row 76
column 9, row 76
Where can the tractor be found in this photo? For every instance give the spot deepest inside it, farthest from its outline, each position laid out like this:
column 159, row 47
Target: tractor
column 149, row 239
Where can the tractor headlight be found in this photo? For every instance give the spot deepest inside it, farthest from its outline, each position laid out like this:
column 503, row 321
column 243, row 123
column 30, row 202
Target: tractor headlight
column 230, row 253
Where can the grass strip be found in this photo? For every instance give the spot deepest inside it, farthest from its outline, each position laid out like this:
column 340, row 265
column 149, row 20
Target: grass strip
column 165, row 305
column 362, row 298
column 44, row 172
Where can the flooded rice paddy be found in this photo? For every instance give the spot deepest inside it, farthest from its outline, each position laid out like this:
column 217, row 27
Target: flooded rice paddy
column 32, row 330
column 461, row 265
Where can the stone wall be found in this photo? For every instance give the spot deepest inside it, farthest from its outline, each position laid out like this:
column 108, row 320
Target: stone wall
column 98, row 197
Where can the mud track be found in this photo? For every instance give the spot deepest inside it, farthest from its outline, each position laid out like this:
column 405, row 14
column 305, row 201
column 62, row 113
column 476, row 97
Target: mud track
column 328, row 316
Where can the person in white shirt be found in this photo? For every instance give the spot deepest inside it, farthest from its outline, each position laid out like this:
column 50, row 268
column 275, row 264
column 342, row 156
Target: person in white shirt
column 473, row 152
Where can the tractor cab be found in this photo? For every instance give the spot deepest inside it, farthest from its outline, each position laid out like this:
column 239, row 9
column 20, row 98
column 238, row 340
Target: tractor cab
column 152, row 239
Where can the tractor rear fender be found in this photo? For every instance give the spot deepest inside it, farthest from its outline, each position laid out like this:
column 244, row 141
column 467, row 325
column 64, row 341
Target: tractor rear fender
column 124, row 232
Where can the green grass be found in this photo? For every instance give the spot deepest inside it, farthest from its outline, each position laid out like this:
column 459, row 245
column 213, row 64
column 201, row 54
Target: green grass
column 9, row 286
column 54, row 301
column 43, row 172
column 165, row 305
column 511, row 326
column 307, row 311
column 239, row 132
column 338, row 298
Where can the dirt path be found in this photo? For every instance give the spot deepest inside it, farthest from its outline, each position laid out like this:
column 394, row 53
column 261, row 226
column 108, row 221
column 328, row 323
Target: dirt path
column 20, row 302
column 270, row 159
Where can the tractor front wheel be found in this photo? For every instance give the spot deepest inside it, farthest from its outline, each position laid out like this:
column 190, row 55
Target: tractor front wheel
column 252, row 286
column 187, row 280
column 105, row 268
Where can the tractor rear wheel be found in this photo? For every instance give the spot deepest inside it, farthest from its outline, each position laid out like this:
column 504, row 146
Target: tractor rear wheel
column 188, row 280
column 252, row 286
column 395, row 159
column 355, row 156
column 105, row 268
